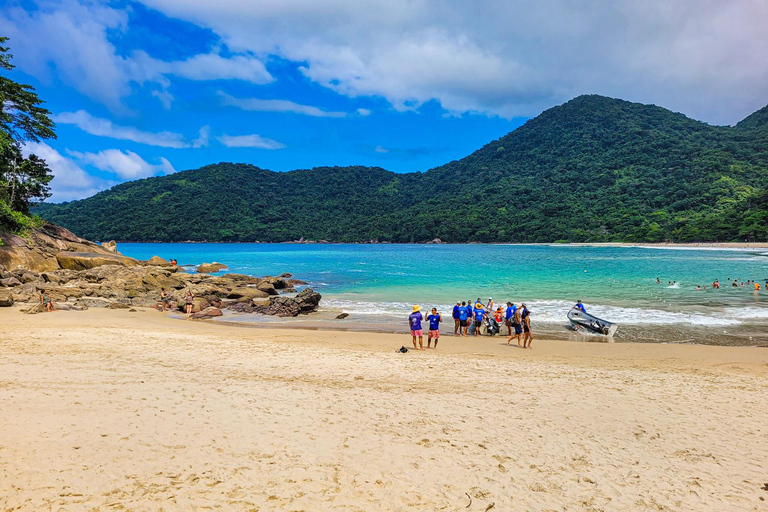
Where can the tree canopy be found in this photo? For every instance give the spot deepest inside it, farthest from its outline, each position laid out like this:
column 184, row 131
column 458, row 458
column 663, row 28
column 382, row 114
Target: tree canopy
column 595, row 169
column 22, row 118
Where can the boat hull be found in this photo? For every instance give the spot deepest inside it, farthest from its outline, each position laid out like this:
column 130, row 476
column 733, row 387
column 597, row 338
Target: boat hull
column 581, row 320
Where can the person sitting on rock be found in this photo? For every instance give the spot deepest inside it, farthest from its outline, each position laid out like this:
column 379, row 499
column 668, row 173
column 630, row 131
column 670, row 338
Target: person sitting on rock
column 46, row 301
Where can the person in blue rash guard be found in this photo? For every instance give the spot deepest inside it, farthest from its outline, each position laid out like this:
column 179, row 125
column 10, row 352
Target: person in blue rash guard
column 434, row 327
column 479, row 313
column 456, row 321
column 414, row 320
column 508, row 316
column 580, row 306
column 463, row 317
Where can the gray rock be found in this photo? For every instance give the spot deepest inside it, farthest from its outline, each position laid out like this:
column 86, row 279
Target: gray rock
column 10, row 282
column 342, row 316
column 6, row 298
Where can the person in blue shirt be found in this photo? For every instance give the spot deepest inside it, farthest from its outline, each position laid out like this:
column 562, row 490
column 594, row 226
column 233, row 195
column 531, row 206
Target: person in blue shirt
column 580, row 306
column 508, row 316
column 479, row 313
column 414, row 320
column 464, row 316
column 456, row 321
column 434, row 327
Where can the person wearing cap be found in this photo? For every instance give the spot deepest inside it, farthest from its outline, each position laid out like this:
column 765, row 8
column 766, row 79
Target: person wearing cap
column 414, row 320
column 456, row 315
column 479, row 313
column 434, row 327
column 580, row 306
column 490, row 304
column 527, row 331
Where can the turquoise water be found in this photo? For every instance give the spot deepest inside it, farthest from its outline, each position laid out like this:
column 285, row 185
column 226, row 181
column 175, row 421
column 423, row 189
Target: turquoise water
column 378, row 283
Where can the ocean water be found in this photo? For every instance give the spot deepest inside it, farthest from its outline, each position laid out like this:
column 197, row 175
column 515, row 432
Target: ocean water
column 377, row 284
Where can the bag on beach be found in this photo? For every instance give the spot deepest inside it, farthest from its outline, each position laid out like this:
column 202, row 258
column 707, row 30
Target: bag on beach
column 403, row 350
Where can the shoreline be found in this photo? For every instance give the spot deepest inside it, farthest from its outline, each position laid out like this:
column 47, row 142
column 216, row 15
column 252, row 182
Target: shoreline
column 710, row 245
column 136, row 410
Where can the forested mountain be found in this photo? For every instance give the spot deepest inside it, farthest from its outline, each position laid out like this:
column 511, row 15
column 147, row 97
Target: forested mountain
column 594, row 169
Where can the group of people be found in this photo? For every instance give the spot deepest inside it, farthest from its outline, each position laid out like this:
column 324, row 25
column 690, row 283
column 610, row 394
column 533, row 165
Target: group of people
column 716, row 284
column 467, row 314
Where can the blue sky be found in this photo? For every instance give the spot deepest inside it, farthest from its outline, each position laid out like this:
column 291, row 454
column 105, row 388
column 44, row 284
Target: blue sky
column 147, row 88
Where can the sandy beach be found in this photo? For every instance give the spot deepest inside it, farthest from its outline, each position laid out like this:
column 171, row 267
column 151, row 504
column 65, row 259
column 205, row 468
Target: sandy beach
column 119, row 410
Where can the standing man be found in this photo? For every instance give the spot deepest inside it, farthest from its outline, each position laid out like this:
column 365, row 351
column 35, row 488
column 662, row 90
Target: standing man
column 464, row 316
column 434, row 327
column 508, row 315
column 527, row 332
column 414, row 320
column 517, row 325
column 456, row 321
column 479, row 313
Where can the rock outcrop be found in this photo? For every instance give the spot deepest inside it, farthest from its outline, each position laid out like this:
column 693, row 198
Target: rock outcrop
column 304, row 303
column 6, row 298
column 37, row 251
column 208, row 312
column 211, row 268
column 86, row 260
column 111, row 246
column 158, row 261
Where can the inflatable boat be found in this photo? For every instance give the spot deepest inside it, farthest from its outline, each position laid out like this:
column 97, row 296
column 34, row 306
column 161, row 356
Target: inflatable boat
column 581, row 320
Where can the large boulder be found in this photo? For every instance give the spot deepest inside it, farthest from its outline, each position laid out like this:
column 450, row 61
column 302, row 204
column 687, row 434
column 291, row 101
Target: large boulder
column 210, row 268
column 302, row 304
column 208, row 312
column 158, row 261
column 111, row 246
column 6, row 298
column 87, row 260
column 10, row 282
column 268, row 288
column 247, row 292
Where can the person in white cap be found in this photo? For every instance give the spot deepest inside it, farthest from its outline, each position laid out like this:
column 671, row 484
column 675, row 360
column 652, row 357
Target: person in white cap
column 414, row 320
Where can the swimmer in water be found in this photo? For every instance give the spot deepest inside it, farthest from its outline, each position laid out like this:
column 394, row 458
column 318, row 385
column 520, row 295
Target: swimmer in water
column 658, row 281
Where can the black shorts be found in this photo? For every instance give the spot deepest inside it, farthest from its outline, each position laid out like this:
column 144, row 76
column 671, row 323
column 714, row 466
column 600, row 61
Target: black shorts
column 526, row 328
column 478, row 323
column 462, row 323
column 518, row 328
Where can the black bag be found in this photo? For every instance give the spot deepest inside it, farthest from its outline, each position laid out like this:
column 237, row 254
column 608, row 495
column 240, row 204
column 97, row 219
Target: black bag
column 403, row 350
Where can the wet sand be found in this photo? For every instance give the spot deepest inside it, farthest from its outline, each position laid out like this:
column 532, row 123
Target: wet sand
column 115, row 410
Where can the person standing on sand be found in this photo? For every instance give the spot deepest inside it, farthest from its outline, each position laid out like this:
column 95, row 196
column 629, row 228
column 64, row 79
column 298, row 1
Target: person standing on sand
column 434, row 327
column 479, row 313
column 163, row 299
column 456, row 321
column 189, row 300
column 414, row 320
column 517, row 322
column 463, row 319
column 508, row 317
column 527, row 331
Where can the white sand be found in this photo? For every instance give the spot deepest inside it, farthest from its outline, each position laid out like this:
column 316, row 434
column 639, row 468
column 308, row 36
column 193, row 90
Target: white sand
column 112, row 410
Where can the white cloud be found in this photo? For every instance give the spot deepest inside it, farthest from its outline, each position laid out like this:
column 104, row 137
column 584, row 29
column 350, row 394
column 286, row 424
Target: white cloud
column 363, row 112
column 380, row 149
column 260, row 105
column 106, row 128
column 70, row 181
column 71, row 38
column 510, row 57
column 250, row 141
column 124, row 164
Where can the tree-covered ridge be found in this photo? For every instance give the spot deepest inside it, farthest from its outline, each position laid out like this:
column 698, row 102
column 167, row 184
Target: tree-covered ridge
column 594, row 169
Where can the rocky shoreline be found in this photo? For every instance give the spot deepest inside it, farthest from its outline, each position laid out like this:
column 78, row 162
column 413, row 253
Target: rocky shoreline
column 78, row 274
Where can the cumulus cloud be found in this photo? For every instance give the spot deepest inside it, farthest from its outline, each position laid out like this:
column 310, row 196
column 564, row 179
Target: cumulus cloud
column 77, row 47
column 124, row 164
column 249, row 141
column 70, row 181
column 260, row 105
column 510, row 57
column 106, row 128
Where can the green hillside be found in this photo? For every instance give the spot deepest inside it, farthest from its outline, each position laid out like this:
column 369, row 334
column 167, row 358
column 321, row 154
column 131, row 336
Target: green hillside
column 594, row 169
